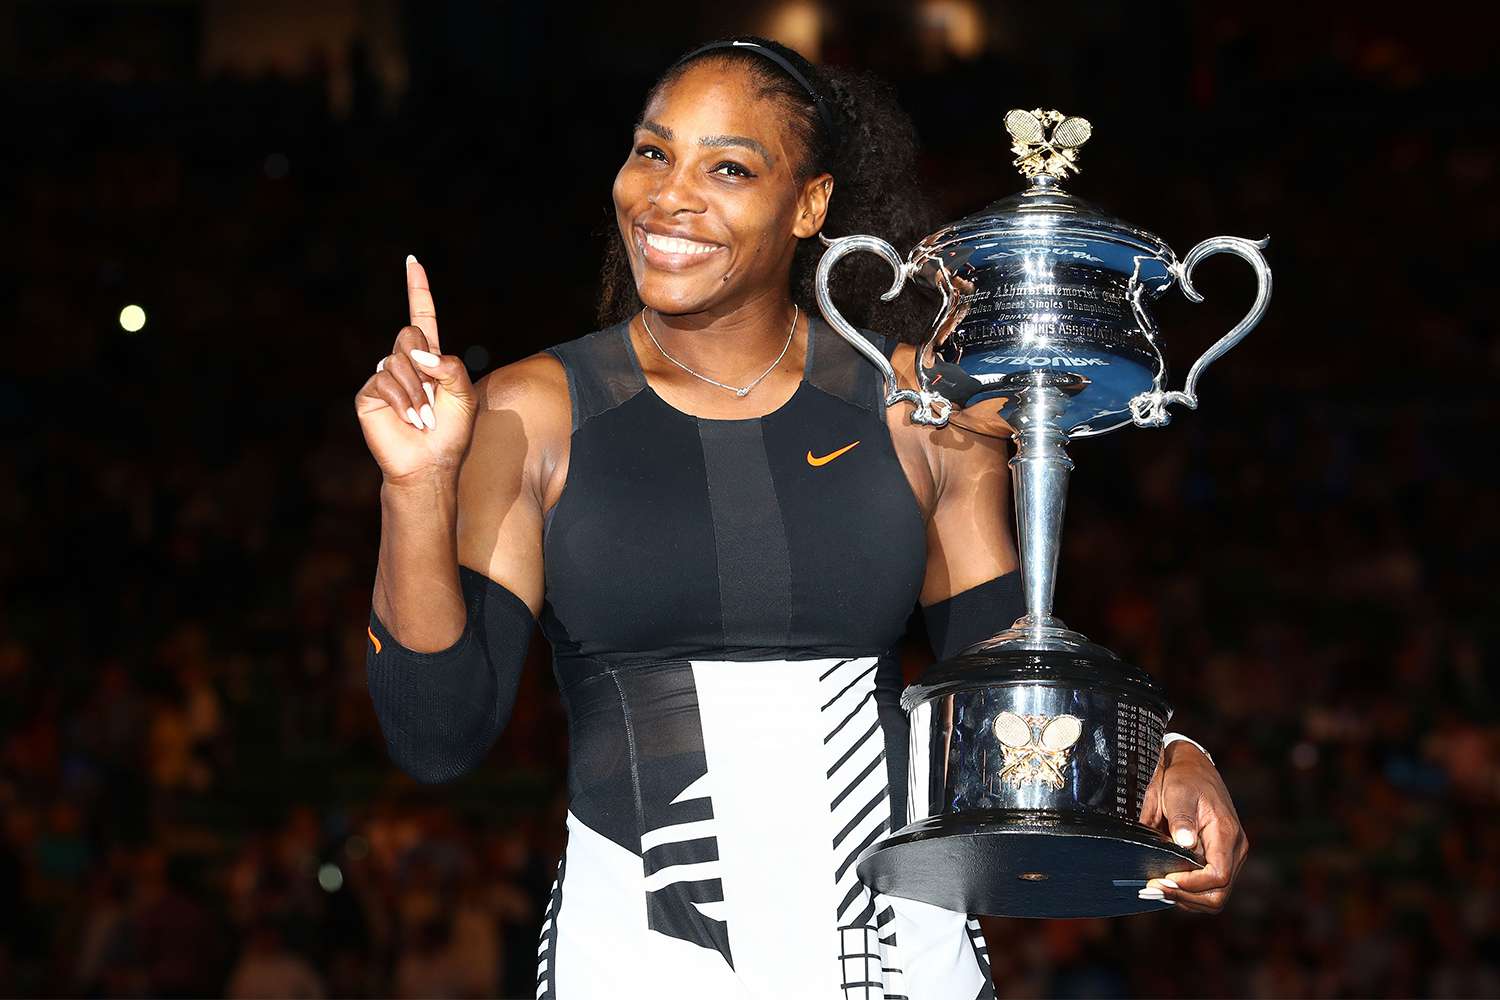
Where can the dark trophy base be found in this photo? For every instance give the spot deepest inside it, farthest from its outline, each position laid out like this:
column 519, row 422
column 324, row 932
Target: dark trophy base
column 1004, row 863
column 1029, row 768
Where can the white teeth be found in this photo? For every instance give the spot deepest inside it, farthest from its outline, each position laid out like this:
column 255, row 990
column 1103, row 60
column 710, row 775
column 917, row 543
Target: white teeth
column 671, row 244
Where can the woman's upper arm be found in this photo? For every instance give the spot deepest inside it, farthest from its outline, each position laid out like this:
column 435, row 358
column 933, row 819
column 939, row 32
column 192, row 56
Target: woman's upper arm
column 518, row 450
column 970, row 539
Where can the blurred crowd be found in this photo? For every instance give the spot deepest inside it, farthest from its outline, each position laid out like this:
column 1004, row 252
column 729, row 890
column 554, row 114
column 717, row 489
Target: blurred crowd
column 195, row 795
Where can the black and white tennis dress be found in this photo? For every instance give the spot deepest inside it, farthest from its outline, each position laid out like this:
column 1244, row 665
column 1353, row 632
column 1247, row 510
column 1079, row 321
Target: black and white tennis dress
column 723, row 599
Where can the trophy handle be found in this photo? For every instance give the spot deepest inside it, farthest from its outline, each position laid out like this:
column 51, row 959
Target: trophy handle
column 1149, row 409
column 931, row 407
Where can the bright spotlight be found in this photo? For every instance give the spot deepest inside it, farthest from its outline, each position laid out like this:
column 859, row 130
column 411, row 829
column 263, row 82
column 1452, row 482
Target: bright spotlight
column 132, row 319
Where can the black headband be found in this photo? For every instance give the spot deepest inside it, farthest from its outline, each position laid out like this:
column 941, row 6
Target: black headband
column 819, row 101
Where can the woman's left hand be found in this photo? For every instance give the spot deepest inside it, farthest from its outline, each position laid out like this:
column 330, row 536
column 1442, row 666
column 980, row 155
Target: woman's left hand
column 1188, row 801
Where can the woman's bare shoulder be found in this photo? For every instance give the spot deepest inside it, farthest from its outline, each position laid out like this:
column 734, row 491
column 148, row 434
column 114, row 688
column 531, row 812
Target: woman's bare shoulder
column 968, row 442
column 524, row 424
column 920, row 436
column 532, row 392
column 537, row 381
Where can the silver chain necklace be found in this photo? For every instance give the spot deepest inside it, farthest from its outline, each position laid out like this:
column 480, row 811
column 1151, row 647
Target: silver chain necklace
column 737, row 392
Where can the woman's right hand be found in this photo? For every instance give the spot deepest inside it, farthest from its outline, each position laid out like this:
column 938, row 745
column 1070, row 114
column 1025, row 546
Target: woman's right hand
column 439, row 395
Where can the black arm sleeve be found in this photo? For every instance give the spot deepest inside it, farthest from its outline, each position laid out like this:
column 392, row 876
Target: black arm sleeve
column 974, row 614
column 441, row 712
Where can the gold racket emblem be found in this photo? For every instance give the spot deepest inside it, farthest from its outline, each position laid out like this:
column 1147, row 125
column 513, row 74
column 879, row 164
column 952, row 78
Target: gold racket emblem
column 1046, row 142
column 1035, row 748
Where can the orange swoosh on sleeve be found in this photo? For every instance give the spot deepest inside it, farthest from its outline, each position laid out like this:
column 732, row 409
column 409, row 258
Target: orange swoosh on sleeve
column 373, row 639
column 824, row 460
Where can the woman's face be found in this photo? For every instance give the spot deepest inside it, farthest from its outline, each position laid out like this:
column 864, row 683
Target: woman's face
column 707, row 202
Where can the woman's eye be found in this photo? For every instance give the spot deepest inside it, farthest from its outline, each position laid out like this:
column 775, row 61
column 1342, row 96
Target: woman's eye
column 647, row 152
column 738, row 171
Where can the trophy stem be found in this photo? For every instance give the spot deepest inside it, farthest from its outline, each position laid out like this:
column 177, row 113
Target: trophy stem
column 1039, row 475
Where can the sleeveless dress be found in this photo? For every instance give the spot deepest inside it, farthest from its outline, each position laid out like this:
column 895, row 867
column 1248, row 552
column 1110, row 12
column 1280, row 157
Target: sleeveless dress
column 723, row 600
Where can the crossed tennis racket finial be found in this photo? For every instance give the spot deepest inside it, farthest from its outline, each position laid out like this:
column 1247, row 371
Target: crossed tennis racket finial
column 1046, row 142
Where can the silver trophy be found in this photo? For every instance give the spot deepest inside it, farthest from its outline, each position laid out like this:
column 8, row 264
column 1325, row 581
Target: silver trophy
column 1031, row 750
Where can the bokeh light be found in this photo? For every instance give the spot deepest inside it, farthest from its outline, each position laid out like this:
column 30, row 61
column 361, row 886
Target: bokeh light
column 330, row 877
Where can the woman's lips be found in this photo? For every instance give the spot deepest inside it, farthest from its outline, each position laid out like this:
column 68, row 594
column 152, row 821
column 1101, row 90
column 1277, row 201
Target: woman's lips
column 673, row 253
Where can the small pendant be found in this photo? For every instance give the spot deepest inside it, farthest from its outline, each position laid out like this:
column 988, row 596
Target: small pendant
column 741, row 392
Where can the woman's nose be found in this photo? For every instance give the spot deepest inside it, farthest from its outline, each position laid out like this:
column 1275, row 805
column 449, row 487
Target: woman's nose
column 676, row 192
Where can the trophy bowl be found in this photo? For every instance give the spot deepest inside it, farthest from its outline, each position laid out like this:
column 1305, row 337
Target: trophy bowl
column 1030, row 751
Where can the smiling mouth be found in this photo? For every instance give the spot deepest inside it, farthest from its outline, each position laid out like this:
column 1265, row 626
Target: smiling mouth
column 676, row 249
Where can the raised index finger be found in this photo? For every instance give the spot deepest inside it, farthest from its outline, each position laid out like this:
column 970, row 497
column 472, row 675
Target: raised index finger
column 419, row 303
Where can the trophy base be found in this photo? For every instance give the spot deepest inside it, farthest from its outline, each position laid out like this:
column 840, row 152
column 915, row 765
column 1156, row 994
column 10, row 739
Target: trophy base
column 993, row 862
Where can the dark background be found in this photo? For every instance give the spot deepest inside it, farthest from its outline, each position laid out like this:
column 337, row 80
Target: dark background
column 194, row 789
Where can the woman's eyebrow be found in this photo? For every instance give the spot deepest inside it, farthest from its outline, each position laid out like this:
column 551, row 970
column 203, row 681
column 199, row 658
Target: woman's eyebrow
column 712, row 141
column 737, row 140
column 656, row 128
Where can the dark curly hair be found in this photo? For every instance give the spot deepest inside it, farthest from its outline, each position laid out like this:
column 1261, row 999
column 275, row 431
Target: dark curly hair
column 873, row 163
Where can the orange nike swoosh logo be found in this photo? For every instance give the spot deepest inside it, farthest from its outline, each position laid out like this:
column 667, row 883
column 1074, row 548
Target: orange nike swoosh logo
column 373, row 639
column 830, row 456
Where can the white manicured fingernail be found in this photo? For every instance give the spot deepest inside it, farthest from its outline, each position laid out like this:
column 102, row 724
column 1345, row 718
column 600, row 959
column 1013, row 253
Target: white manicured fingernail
column 410, row 259
column 1184, row 837
column 422, row 357
column 1150, row 893
column 1168, row 883
column 428, row 387
column 411, row 415
column 427, row 417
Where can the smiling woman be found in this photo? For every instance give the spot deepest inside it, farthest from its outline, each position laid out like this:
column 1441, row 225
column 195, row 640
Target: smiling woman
column 723, row 531
column 728, row 576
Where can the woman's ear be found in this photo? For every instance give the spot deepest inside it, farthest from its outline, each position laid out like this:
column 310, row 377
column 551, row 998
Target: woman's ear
column 812, row 206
